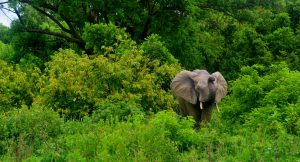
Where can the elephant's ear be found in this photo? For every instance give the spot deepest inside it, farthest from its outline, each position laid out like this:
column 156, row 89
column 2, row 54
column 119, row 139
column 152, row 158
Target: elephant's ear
column 183, row 86
column 221, row 86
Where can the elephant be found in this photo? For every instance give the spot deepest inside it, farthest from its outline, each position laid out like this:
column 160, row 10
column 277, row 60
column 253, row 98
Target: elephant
column 197, row 91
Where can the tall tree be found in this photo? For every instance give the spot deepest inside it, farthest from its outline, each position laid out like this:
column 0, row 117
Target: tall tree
column 68, row 17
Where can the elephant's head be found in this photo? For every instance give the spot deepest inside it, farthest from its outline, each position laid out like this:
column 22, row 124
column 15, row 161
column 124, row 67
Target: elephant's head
column 199, row 85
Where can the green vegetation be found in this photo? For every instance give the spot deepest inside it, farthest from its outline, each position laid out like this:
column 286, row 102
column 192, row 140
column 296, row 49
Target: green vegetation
column 90, row 81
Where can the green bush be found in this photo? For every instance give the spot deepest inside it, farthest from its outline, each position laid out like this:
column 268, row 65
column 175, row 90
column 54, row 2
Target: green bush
column 118, row 110
column 266, row 119
column 286, row 90
column 133, row 140
column 43, row 136
column 114, row 103
column 264, row 97
column 23, row 131
column 155, row 49
column 5, row 34
column 99, row 36
column 6, row 52
column 17, row 87
column 77, row 85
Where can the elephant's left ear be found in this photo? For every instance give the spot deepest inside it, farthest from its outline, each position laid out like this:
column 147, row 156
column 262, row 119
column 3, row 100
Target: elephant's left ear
column 221, row 86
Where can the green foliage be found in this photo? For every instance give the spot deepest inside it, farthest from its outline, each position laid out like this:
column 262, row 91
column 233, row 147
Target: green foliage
column 213, row 35
column 4, row 34
column 99, row 36
column 6, row 52
column 24, row 131
column 17, row 87
column 282, row 20
column 293, row 9
column 282, row 40
column 30, row 62
column 103, row 80
column 34, row 43
column 122, row 141
column 265, row 98
column 100, row 96
column 284, row 45
column 118, row 110
column 248, row 48
column 196, row 48
column 155, row 49
column 164, row 137
column 66, row 28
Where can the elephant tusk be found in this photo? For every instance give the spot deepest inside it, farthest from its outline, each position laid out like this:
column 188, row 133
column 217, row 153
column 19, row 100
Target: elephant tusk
column 217, row 107
column 201, row 106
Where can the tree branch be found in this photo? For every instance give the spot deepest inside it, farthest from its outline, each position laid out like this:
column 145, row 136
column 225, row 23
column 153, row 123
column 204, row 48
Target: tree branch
column 71, row 29
column 60, row 35
column 6, row 14
column 1, row 3
column 54, row 9
column 52, row 18
column 50, row 7
column 19, row 16
column 70, row 34
column 7, row 9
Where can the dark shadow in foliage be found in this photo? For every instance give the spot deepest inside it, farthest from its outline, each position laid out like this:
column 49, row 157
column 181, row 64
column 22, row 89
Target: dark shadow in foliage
column 118, row 110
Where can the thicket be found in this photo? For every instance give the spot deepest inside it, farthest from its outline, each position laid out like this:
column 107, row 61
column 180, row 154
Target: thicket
column 93, row 85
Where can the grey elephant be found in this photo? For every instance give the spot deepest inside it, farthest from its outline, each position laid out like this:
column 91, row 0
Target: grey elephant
column 197, row 91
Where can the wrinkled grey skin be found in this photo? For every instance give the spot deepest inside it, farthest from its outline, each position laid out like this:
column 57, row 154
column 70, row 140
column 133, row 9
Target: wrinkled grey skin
column 197, row 91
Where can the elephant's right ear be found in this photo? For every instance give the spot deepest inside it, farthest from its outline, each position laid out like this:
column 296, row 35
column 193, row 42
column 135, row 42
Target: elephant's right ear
column 183, row 86
column 221, row 86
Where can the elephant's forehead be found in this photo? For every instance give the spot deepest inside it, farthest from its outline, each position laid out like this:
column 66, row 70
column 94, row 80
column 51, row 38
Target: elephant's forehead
column 201, row 72
column 201, row 78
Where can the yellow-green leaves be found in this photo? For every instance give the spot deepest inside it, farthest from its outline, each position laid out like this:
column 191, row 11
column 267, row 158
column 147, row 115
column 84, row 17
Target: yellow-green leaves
column 99, row 37
column 77, row 85
column 16, row 87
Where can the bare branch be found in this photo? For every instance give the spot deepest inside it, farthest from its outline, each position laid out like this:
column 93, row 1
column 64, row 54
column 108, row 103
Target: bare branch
column 52, row 18
column 7, row 9
column 1, row 3
column 50, row 7
column 6, row 15
column 60, row 35
column 19, row 16
column 71, row 29
column 70, row 34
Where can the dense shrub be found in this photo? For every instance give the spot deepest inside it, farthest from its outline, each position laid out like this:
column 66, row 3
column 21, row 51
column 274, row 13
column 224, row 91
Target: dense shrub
column 259, row 120
column 163, row 137
column 119, row 110
column 76, row 85
column 17, row 87
column 23, row 131
column 99, row 36
column 111, row 96
column 155, row 49
column 6, row 52
column 133, row 140
column 262, row 97
column 5, row 34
